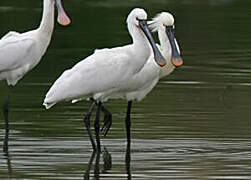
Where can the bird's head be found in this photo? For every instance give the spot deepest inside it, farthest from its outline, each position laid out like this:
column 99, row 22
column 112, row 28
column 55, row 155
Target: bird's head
column 164, row 24
column 136, row 15
column 138, row 20
column 161, row 21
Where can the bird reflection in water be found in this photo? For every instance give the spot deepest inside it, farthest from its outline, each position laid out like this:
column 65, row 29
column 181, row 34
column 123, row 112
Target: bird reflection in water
column 8, row 162
column 128, row 161
column 107, row 159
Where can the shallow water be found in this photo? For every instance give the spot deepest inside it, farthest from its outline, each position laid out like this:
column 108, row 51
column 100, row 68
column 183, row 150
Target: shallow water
column 194, row 125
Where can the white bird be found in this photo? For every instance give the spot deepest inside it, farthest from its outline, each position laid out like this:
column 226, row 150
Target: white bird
column 106, row 73
column 20, row 52
column 150, row 74
column 147, row 78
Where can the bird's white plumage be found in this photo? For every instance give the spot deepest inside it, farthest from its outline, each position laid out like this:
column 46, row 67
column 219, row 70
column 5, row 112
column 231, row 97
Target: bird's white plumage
column 113, row 73
column 147, row 78
column 10, row 34
column 99, row 72
column 20, row 52
column 108, row 73
column 150, row 74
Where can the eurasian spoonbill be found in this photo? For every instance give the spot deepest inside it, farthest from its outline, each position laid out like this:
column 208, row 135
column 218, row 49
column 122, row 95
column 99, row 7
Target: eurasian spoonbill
column 20, row 52
column 150, row 74
column 107, row 72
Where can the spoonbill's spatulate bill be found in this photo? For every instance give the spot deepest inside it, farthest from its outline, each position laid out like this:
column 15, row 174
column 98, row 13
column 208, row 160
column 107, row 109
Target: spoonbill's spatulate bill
column 106, row 73
column 20, row 52
column 163, row 24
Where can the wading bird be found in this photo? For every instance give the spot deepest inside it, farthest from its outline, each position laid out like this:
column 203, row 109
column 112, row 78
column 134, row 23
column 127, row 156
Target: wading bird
column 150, row 74
column 107, row 73
column 20, row 52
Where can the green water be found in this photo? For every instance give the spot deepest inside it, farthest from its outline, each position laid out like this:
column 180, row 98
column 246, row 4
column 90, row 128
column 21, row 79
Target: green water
column 195, row 124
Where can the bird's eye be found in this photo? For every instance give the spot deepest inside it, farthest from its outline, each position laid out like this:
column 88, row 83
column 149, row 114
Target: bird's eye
column 169, row 27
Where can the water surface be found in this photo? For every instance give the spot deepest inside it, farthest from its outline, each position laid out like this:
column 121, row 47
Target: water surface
column 195, row 124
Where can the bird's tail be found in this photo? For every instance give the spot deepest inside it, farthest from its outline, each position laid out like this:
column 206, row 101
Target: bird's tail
column 48, row 105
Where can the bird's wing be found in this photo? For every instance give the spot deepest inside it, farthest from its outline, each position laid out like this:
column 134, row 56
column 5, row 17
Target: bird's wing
column 103, row 70
column 13, row 51
column 10, row 34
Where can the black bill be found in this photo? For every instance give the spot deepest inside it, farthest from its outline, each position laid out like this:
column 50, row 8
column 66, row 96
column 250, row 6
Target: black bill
column 176, row 59
column 160, row 60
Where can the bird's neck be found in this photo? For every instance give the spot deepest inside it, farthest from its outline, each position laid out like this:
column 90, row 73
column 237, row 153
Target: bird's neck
column 165, row 45
column 166, row 51
column 140, row 43
column 47, row 23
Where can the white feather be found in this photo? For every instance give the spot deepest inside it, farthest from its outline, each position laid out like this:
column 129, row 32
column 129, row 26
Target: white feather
column 126, row 72
column 20, row 52
column 107, row 73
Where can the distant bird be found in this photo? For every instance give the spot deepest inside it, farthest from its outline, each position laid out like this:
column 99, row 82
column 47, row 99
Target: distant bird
column 107, row 73
column 20, row 52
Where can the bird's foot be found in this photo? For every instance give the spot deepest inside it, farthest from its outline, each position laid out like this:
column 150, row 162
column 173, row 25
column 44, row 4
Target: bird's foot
column 107, row 123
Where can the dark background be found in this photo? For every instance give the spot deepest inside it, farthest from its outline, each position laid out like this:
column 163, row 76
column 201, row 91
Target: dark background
column 205, row 104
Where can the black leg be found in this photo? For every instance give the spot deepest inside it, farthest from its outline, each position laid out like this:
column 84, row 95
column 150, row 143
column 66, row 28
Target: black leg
column 128, row 123
column 97, row 127
column 9, row 165
column 87, row 124
column 87, row 172
column 6, row 118
column 107, row 118
column 96, row 168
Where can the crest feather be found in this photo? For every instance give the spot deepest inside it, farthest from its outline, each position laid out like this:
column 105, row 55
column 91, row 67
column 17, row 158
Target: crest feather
column 159, row 20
